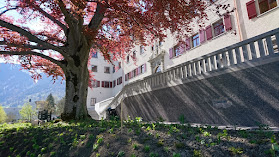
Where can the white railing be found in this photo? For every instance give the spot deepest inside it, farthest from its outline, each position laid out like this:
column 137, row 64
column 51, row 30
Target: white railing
column 101, row 108
column 255, row 51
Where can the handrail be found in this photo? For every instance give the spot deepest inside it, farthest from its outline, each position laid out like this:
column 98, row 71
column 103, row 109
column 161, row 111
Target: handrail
column 236, row 55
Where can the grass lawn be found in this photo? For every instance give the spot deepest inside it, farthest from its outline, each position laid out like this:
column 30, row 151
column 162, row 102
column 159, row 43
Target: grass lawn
column 106, row 138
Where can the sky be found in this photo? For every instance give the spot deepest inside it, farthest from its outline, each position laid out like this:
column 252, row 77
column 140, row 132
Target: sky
column 33, row 25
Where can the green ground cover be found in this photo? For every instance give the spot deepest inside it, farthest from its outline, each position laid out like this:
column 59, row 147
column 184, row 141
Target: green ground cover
column 106, row 138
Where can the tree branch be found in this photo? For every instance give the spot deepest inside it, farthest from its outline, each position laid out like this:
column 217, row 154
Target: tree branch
column 31, row 53
column 30, row 36
column 98, row 16
column 51, row 18
column 9, row 10
column 23, row 45
column 65, row 13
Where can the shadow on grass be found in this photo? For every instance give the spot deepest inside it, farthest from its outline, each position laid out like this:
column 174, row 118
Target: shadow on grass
column 106, row 138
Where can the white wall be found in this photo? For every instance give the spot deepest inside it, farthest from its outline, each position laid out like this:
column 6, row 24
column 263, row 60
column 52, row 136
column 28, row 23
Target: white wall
column 260, row 24
column 249, row 28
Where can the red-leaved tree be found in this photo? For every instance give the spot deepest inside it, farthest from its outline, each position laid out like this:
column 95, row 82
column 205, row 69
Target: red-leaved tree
column 57, row 36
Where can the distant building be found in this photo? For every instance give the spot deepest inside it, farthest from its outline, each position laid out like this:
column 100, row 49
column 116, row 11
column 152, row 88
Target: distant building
column 41, row 105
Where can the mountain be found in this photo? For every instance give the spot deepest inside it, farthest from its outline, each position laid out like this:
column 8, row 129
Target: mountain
column 17, row 87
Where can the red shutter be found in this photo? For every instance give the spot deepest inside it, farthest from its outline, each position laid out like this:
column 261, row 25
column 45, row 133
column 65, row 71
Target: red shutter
column 98, row 83
column 208, row 32
column 103, row 83
column 251, row 9
column 202, row 36
column 144, row 67
column 171, row 52
column 188, row 44
column 228, row 23
column 132, row 74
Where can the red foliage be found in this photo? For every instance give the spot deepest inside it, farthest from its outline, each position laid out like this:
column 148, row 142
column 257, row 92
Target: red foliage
column 39, row 29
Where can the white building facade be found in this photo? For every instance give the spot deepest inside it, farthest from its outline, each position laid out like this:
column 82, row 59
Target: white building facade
column 249, row 18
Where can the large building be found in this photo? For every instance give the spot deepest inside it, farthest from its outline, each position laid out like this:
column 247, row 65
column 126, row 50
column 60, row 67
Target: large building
column 250, row 18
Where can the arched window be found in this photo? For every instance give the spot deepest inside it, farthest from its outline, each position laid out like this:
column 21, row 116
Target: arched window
column 158, row 69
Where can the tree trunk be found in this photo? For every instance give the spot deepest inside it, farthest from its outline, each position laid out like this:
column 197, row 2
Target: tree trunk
column 76, row 92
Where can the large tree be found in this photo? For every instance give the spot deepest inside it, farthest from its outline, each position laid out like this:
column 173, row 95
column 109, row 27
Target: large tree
column 70, row 29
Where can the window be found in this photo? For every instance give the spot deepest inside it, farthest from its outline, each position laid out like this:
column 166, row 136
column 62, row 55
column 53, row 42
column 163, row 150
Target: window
column 126, row 77
column 94, row 55
column 158, row 69
column 266, row 5
column 93, row 101
column 141, row 50
column 95, row 83
column 119, row 65
column 195, row 40
column 160, row 43
column 152, row 48
column 114, row 83
column 113, row 69
column 105, row 84
column 142, row 68
column 176, row 50
column 128, row 59
column 134, row 55
column 218, row 27
column 135, row 72
column 94, row 68
column 119, row 81
column 107, row 70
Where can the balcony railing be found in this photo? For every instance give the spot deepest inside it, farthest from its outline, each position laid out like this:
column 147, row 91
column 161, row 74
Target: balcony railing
column 255, row 51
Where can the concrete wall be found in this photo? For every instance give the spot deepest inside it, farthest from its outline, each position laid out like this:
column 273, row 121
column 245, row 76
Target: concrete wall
column 246, row 97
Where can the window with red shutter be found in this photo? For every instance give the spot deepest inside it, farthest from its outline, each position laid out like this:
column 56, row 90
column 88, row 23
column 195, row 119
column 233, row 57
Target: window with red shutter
column 251, row 9
column 202, row 36
column 228, row 23
column 110, row 85
column 103, row 83
column 208, row 32
column 98, row 83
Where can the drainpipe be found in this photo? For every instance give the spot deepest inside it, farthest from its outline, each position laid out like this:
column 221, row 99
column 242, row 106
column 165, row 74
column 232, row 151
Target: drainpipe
column 237, row 21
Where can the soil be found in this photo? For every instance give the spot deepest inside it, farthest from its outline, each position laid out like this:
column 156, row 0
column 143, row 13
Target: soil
column 108, row 139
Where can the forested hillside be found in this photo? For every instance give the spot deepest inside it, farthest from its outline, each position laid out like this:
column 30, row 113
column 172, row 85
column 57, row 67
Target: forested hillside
column 17, row 87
